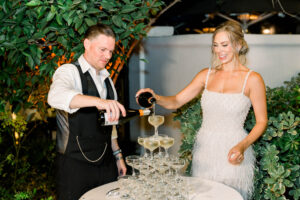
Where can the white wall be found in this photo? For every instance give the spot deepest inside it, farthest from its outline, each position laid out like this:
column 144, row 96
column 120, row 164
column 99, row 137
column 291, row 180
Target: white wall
column 174, row 60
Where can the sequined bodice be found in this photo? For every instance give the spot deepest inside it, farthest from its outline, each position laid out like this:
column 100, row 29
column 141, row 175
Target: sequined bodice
column 224, row 111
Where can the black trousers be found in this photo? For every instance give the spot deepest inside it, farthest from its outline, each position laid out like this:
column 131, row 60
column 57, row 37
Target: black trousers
column 74, row 177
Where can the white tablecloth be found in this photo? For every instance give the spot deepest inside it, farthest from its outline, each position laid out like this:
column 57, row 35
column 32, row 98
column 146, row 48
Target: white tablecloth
column 202, row 190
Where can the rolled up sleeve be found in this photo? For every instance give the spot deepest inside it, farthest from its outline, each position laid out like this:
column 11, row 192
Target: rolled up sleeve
column 64, row 87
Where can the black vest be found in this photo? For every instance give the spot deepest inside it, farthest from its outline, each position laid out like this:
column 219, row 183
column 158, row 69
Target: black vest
column 88, row 141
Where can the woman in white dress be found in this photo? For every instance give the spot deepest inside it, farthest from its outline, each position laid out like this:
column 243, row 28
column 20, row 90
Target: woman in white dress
column 222, row 150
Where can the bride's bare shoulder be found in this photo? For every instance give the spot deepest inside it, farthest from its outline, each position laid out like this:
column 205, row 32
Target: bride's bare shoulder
column 255, row 79
column 203, row 72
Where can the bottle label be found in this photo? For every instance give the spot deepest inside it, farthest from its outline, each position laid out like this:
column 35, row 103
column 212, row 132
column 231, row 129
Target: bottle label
column 145, row 112
column 108, row 123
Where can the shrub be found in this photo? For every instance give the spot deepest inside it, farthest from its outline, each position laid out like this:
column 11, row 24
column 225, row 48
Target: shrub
column 277, row 174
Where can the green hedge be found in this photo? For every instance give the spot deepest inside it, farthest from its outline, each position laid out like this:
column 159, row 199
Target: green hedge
column 277, row 174
column 36, row 36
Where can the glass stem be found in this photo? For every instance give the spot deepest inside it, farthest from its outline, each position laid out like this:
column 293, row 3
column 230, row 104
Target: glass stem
column 145, row 153
column 167, row 153
column 151, row 153
column 133, row 171
column 156, row 131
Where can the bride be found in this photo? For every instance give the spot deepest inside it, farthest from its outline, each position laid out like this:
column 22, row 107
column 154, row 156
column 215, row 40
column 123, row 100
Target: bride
column 222, row 150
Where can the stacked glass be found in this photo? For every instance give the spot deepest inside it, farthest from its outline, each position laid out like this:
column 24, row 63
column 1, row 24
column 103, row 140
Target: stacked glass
column 155, row 177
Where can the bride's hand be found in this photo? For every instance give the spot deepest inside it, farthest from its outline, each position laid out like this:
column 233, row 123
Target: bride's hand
column 145, row 90
column 236, row 155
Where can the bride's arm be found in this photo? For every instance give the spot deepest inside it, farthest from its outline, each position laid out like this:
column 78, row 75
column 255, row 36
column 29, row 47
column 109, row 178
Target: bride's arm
column 257, row 95
column 184, row 96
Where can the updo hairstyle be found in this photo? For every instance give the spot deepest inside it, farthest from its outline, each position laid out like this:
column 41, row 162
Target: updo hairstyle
column 236, row 37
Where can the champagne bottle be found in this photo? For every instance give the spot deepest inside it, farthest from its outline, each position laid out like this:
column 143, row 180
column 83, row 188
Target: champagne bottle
column 130, row 113
column 146, row 99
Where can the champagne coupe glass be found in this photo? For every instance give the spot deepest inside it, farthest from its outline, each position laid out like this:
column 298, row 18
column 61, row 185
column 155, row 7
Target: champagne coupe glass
column 177, row 164
column 156, row 121
column 141, row 142
column 125, row 182
column 166, row 142
column 151, row 143
column 160, row 137
column 131, row 161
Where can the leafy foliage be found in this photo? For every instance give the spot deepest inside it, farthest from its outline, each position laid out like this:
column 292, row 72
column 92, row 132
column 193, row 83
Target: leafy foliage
column 277, row 174
column 190, row 119
column 27, row 157
column 37, row 36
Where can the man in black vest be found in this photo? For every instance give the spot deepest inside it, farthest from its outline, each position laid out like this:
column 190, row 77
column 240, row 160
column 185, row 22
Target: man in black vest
column 88, row 154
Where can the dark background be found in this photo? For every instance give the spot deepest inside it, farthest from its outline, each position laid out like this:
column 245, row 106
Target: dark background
column 191, row 16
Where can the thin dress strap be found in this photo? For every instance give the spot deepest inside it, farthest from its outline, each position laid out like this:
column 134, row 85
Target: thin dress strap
column 246, row 78
column 207, row 78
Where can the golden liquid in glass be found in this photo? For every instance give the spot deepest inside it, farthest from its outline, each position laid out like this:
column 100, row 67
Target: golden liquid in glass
column 166, row 142
column 151, row 144
column 141, row 141
column 156, row 120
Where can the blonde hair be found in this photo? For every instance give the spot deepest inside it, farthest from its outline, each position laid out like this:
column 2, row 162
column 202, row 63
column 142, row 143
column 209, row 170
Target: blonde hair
column 236, row 37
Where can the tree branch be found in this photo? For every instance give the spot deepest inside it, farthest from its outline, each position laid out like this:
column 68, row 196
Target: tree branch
column 153, row 20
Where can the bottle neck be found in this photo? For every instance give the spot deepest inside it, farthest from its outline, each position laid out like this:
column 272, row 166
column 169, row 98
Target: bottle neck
column 152, row 100
column 144, row 112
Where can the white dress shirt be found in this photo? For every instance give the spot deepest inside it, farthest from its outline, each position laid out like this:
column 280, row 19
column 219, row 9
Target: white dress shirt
column 66, row 84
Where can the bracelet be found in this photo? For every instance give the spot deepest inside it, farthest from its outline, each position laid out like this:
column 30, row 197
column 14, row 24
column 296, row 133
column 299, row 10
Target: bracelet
column 117, row 152
column 119, row 157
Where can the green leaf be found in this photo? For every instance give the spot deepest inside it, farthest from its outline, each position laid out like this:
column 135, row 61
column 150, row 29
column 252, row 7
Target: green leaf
column 50, row 16
column 2, row 38
column 144, row 60
column 51, row 36
column 295, row 167
column 59, row 19
column 93, row 11
column 4, row 7
column 139, row 27
column 78, row 21
column 63, row 41
column 38, row 35
column 8, row 45
column 117, row 20
column 127, row 1
column 78, row 48
column 81, row 30
column 34, row 3
column 54, row 27
column 69, row 17
column 21, row 39
column 71, row 33
column 107, row 5
column 270, row 180
column 41, row 11
column 128, row 8
column 30, row 61
column 83, row 6
column 43, row 67
column 76, row 2
column 288, row 183
column 90, row 22
column 295, row 193
column 125, row 35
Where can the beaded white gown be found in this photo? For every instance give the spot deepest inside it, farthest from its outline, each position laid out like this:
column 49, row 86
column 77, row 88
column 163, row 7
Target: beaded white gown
column 224, row 115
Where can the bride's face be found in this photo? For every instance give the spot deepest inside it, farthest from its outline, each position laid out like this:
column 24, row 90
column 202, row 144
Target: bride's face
column 223, row 48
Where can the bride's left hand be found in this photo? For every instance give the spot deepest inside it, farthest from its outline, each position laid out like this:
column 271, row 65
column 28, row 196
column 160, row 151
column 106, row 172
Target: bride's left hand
column 236, row 154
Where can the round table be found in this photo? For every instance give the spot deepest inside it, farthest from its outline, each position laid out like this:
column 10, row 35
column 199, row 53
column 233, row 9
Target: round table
column 202, row 190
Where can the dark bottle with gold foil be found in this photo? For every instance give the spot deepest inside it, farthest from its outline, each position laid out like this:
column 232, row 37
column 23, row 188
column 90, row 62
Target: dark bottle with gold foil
column 146, row 100
column 130, row 114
